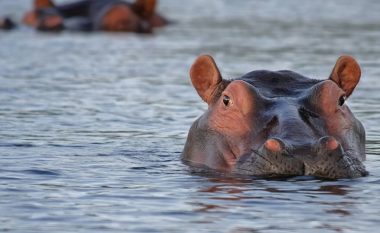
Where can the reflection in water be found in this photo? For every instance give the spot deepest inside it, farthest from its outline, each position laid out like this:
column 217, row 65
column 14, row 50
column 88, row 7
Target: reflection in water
column 243, row 230
column 227, row 189
column 206, row 207
column 339, row 212
column 225, row 194
column 333, row 189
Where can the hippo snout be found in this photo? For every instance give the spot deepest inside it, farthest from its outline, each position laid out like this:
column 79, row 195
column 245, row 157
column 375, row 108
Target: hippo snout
column 325, row 158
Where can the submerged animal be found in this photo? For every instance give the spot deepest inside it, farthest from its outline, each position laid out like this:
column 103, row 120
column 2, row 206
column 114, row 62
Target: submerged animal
column 94, row 15
column 274, row 124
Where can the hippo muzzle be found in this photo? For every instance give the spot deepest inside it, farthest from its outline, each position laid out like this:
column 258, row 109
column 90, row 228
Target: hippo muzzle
column 326, row 158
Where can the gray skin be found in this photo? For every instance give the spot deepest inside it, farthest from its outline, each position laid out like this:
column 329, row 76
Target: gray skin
column 273, row 124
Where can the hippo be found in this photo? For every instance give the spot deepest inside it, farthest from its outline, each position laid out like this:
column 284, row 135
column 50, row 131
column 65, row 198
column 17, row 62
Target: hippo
column 276, row 123
column 95, row 15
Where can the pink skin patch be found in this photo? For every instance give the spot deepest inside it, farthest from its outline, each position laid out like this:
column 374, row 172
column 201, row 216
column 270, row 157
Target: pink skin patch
column 273, row 145
column 331, row 144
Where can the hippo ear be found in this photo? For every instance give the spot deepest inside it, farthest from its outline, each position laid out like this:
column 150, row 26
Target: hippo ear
column 205, row 77
column 346, row 74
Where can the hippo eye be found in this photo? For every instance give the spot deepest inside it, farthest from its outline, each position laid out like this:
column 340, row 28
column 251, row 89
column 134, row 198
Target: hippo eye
column 226, row 100
column 342, row 99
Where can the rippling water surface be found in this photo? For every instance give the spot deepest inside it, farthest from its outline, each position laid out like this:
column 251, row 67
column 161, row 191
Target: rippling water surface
column 92, row 125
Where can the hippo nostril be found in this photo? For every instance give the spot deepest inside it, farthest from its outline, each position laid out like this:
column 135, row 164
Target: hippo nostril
column 274, row 145
column 332, row 144
column 328, row 143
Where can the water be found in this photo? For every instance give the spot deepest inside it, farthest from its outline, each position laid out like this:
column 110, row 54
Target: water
column 92, row 125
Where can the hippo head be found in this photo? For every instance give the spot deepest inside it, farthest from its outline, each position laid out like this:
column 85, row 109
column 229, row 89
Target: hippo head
column 275, row 124
column 44, row 17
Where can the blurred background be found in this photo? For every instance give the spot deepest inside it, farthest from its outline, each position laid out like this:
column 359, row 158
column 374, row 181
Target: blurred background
column 92, row 124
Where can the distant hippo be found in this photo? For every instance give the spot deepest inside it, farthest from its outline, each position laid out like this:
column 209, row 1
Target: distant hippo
column 91, row 15
column 272, row 124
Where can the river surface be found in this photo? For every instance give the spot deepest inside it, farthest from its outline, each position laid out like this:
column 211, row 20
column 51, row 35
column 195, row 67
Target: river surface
column 92, row 125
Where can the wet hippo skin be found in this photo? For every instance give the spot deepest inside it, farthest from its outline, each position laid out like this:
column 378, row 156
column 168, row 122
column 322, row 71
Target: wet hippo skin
column 279, row 123
column 91, row 15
